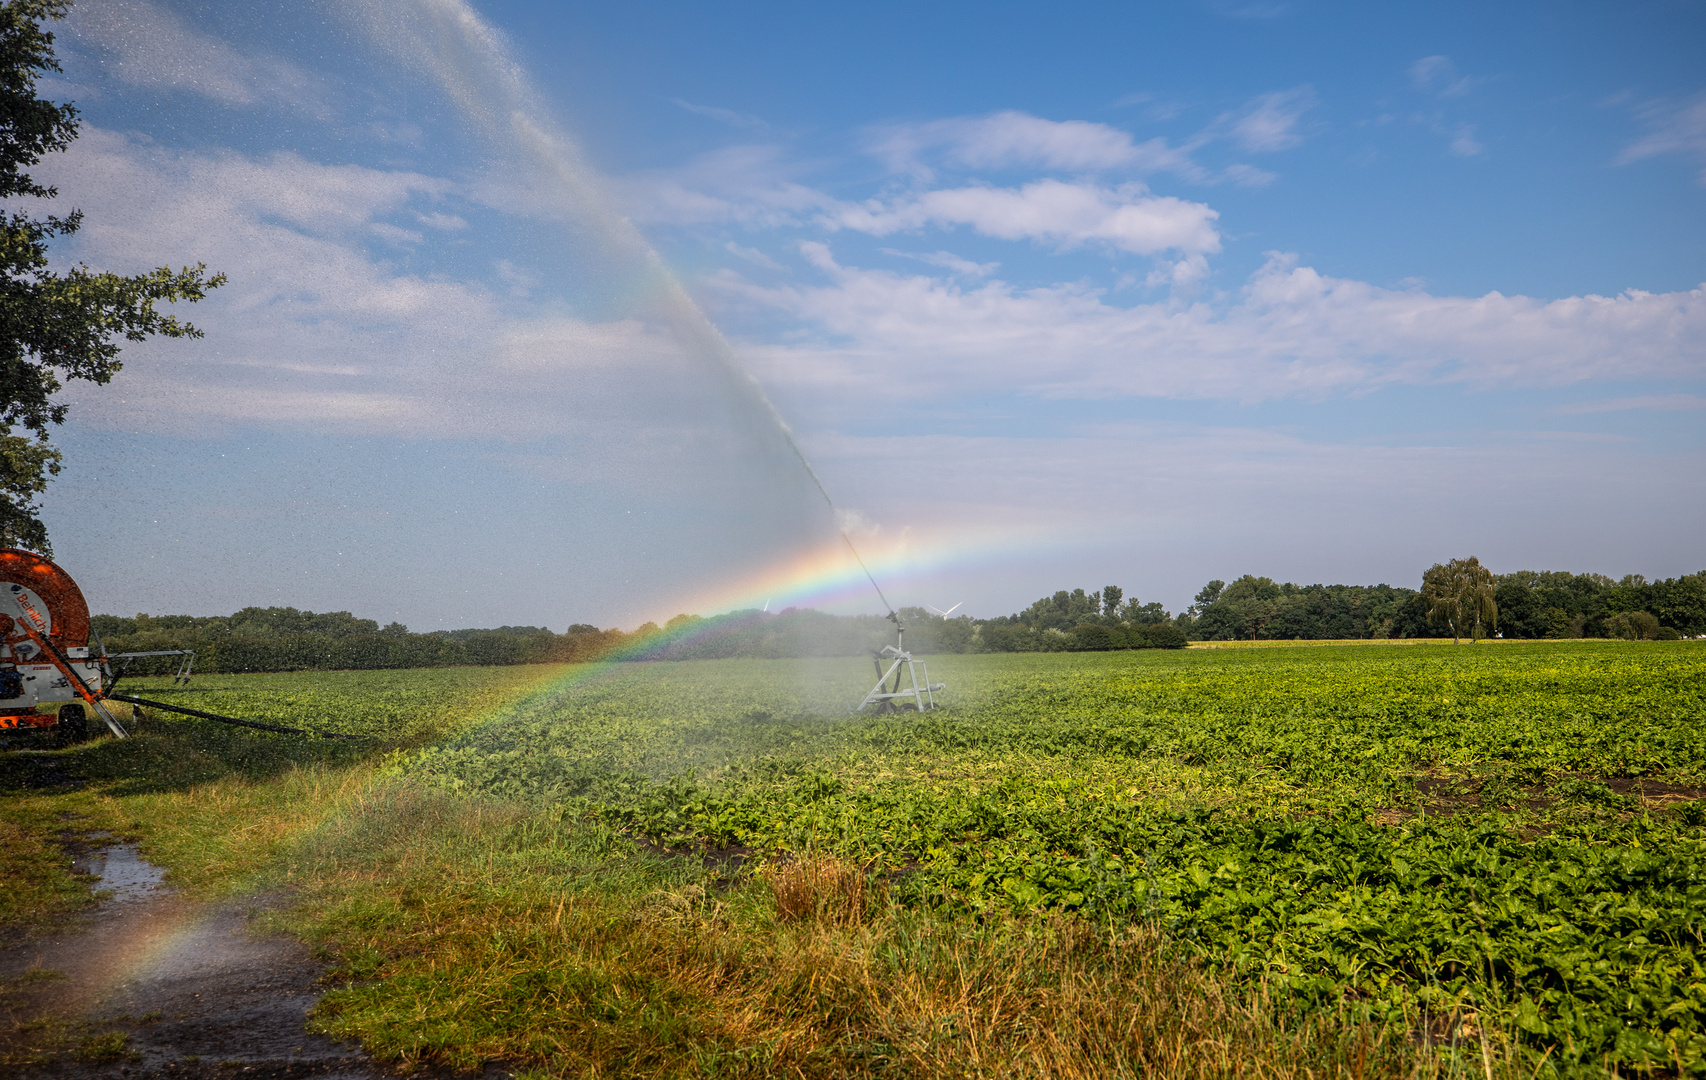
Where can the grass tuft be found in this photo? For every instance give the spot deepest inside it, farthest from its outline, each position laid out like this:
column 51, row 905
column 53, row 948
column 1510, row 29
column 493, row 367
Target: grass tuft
column 819, row 888
column 106, row 1047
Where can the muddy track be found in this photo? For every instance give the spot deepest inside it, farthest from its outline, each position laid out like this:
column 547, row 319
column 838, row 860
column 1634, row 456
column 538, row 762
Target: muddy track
column 150, row 984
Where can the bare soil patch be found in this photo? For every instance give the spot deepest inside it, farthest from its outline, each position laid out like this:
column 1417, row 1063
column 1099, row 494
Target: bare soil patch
column 151, row 984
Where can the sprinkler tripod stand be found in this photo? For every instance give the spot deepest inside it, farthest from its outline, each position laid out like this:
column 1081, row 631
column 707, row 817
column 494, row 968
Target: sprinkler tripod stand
column 887, row 698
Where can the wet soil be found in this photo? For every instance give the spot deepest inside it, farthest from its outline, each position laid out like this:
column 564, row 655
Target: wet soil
column 1447, row 795
column 151, row 984
column 1657, row 790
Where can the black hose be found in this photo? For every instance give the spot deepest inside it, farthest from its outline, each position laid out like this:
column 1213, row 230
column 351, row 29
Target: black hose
column 256, row 724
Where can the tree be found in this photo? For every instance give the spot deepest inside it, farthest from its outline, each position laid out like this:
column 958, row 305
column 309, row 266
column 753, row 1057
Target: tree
column 1111, row 595
column 1206, row 597
column 54, row 326
column 1460, row 595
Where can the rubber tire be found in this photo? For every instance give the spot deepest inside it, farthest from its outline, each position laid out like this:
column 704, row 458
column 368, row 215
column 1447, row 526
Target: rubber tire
column 73, row 725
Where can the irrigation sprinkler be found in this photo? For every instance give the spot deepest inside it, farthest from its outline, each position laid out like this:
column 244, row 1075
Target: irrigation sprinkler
column 888, row 698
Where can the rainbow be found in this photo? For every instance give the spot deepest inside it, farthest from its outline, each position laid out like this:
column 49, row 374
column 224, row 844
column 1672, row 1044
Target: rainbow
column 824, row 576
column 827, row 576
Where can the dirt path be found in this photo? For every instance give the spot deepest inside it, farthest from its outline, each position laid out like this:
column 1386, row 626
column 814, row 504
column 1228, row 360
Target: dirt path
column 152, row 985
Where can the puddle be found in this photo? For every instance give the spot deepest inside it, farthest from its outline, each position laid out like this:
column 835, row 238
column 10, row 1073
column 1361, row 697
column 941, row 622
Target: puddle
column 125, row 875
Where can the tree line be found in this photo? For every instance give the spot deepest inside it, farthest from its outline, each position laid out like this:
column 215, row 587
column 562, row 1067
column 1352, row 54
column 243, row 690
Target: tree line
column 1519, row 604
column 1457, row 599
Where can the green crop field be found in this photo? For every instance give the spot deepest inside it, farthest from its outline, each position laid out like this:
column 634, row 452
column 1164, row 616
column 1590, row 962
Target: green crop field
column 1510, row 831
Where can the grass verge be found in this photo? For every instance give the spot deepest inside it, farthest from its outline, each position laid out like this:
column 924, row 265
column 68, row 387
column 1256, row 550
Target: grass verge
column 465, row 930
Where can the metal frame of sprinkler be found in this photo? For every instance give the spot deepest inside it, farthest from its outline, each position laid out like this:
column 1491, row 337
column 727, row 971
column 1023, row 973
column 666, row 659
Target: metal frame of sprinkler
column 888, row 698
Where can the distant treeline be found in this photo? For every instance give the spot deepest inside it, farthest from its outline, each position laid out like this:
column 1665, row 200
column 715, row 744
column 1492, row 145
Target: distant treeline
column 1078, row 621
column 285, row 639
column 1532, row 604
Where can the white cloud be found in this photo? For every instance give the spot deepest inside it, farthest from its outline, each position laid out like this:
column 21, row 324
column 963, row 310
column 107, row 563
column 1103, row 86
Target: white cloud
column 312, row 333
column 148, row 46
column 1290, row 332
column 1065, row 215
column 1012, row 139
column 755, row 186
column 1017, row 140
column 1672, row 128
column 1272, row 121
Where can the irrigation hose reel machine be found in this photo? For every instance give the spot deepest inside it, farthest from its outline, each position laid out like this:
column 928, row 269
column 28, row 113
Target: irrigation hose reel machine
column 44, row 650
column 45, row 657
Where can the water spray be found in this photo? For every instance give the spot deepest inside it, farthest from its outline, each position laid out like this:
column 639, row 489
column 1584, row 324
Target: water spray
column 447, row 42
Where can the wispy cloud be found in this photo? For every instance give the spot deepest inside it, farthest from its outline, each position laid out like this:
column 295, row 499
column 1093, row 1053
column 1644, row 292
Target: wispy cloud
column 1439, row 76
column 1657, row 402
column 752, row 255
column 1249, row 176
column 1249, row 9
column 752, row 185
column 947, row 260
column 1155, row 109
column 1672, row 128
column 1272, row 121
column 1464, row 143
column 148, row 46
column 723, row 116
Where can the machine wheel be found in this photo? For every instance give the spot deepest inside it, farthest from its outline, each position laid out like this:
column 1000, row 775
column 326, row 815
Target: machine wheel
column 73, row 725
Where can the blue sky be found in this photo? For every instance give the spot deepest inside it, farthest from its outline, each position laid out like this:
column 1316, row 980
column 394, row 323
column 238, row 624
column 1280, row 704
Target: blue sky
column 1052, row 296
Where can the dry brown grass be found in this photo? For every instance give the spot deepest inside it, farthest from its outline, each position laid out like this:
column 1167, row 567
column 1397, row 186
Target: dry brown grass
column 1055, row 997
column 819, row 888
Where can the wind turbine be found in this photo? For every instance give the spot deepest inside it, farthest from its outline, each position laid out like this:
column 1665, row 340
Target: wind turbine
column 945, row 614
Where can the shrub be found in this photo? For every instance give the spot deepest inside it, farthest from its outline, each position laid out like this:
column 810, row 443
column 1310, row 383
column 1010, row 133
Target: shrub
column 1091, row 637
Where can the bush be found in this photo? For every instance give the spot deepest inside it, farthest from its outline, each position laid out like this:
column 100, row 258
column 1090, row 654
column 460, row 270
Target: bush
column 1091, row 637
column 1163, row 636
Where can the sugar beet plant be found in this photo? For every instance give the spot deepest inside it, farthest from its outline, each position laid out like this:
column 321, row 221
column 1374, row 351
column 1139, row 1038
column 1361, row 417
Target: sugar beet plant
column 1508, row 830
